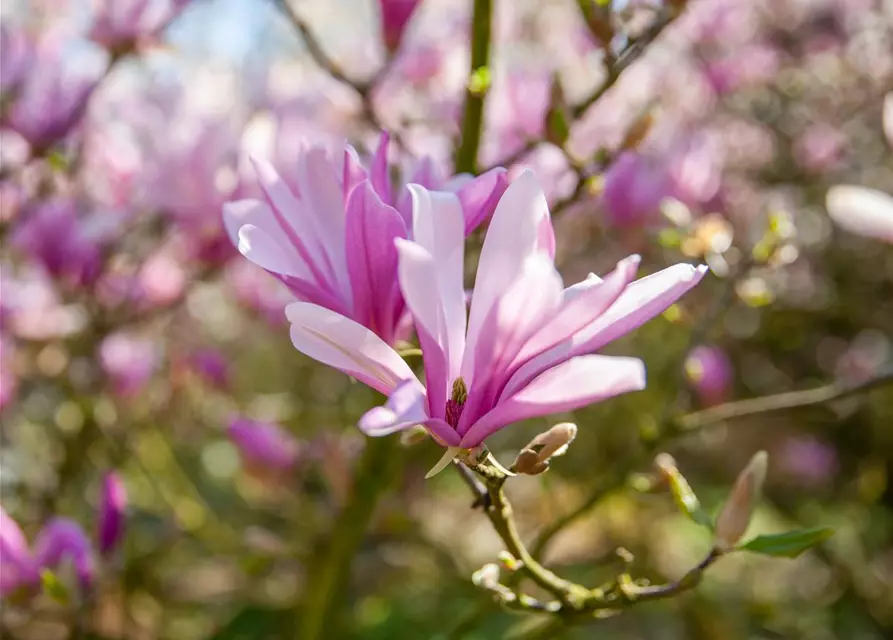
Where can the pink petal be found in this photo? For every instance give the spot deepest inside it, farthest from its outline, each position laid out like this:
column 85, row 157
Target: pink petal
column 418, row 276
column 340, row 342
column 241, row 212
column 438, row 227
column 866, row 212
column 640, row 301
column 513, row 236
column 527, row 305
column 372, row 227
column 578, row 311
column 480, row 196
column 324, row 199
column 268, row 252
column 404, row 408
column 573, row 384
column 353, row 172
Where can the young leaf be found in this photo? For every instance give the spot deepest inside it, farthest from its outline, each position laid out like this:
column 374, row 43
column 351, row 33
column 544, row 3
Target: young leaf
column 789, row 544
column 53, row 587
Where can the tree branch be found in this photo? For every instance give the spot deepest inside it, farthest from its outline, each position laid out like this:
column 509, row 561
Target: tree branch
column 473, row 111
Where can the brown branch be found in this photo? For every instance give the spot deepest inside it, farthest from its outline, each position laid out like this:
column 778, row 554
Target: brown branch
column 780, row 402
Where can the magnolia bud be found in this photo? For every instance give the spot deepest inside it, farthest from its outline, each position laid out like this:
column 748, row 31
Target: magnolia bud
column 732, row 521
column 535, row 457
column 487, row 577
column 112, row 507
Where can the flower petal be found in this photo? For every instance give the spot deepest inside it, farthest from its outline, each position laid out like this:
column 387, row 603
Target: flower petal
column 372, row 227
column 863, row 211
column 404, row 408
column 480, row 196
column 381, row 179
column 419, row 282
column 573, row 384
column 513, row 236
column 340, row 342
column 268, row 252
column 438, row 227
column 641, row 301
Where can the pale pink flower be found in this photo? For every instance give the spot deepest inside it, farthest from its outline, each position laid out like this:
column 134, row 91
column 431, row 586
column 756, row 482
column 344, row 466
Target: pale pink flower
column 331, row 240
column 264, row 445
column 525, row 350
column 863, row 211
column 17, row 565
column 121, row 23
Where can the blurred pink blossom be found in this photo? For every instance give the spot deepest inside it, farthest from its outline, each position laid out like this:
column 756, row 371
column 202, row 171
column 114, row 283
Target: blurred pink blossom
column 16, row 55
column 129, row 361
column 709, row 372
column 62, row 540
column 161, row 279
column 809, row 460
column 122, row 23
column 18, row 568
column 111, row 515
column 264, row 445
column 53, row 235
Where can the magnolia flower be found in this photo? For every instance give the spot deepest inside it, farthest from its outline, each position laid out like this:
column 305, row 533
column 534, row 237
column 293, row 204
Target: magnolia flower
column 118, row 23
column 51, row 97
column 525, row 350
column 264, row 445
column 331, row 241
column 15, row 56
column 709, row 373
column 129, row 361
column 112, row 506
column 63, row 540
column 66, row 245
column 17, row 566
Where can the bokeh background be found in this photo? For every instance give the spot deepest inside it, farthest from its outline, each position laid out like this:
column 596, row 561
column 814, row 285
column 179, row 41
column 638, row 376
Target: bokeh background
column 134, row 335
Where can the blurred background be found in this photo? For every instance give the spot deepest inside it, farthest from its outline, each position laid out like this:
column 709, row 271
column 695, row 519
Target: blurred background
column 136, row 341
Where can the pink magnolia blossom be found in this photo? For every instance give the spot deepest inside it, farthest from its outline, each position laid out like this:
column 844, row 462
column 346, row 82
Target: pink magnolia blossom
column 52, row 96
column 63, row 540
column 129, row 361
column 331, row 241
column 17, row 565
column 15, row 57
column 264, row 445
column 119, row 23
column 395, row 15
column 525, row 350
column 62, row 242
column 111, row 516
column 709, row 373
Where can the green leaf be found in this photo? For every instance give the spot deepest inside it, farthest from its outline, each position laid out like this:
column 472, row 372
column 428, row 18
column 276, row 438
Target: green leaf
column 789, row 544
column 686, row 499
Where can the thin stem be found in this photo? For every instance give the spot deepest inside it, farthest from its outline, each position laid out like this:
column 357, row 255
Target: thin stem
column 329, row 568
column 780, row 402
column 473, row 111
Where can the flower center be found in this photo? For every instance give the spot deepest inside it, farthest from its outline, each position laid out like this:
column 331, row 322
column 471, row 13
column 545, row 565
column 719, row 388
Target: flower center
column 456, row 402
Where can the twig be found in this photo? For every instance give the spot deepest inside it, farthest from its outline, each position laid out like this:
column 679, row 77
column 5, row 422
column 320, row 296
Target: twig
column 780, row 402
column 473, row 111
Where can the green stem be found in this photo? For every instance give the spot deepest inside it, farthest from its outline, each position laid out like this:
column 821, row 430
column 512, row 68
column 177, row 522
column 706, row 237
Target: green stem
column 329, row 568
column 476, row 91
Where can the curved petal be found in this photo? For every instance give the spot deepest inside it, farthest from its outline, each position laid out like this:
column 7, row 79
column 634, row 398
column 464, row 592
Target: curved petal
column 268, row 252
column 520, row 312
column 438, row 228
column 372, row 227
column 381, row 179
column 573, row 384
column 863, row 211
column 405, row 408
column 241, row 212
column 480, row 196
column 513, row 236
column 340, row 342
column 641, row 301
column 419, row 283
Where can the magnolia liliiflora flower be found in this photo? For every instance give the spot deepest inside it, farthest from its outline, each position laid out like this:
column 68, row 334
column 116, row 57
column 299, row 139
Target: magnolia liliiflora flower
column 332, row 240
column 526, row 347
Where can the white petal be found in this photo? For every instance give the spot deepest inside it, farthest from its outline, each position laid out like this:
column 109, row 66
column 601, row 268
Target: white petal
column 863, row 211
